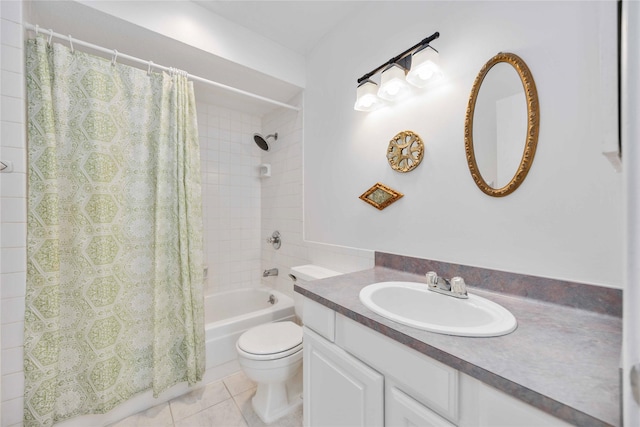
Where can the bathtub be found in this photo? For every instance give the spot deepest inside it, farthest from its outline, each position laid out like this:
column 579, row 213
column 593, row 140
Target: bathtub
column 228, row 314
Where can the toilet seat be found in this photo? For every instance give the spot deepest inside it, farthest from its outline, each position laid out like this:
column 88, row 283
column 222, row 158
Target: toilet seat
column 271, row 341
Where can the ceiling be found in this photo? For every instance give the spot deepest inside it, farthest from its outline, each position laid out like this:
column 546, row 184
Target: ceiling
column 297, row 25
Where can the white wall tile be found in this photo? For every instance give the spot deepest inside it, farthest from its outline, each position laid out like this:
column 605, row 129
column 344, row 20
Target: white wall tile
column 11, row 10
column 12, row 134
column 13, row 184
column 12, row 412
column 12, row 334
column 11, row 33
column 12, row 109
column 12, row 59
column 12, row 386
column 13, row 213
column 13, row 209
column 13, row 260
column 13, row 284
column 12, row 310
column 13, row 235
column 12, row 360
column 11, row 83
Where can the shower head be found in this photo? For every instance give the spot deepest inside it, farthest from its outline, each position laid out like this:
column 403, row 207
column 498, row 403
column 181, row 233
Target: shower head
column 262, row 141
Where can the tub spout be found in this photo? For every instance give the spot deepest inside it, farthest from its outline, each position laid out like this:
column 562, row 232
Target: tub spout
column 270, row 272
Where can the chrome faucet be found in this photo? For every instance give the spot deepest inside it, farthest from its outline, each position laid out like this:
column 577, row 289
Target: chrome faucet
column 270, row 272
column 454, row 288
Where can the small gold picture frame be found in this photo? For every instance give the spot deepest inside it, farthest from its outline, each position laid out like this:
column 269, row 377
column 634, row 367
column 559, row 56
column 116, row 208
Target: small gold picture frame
column 380, row 196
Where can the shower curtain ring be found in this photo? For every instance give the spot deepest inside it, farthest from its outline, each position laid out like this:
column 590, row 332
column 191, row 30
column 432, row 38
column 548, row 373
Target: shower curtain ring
column 149, row 69
column 71, row 44
column 50, row 37
column 115, row 57
column 37, row 29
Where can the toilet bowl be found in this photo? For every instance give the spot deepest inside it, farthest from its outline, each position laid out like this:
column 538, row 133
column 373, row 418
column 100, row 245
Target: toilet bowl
column 271, row 356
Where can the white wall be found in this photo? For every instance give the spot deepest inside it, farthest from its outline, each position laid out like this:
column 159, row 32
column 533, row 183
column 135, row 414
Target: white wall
column 564, row 222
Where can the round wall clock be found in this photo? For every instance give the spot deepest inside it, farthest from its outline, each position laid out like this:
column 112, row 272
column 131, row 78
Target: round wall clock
column 405, row 151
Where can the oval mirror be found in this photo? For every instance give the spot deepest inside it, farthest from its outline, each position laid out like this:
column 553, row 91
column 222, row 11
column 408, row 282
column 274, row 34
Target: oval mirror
column 501, row 125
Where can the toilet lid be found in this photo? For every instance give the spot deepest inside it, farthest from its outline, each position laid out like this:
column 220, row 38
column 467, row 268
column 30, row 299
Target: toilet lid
column 271, row 338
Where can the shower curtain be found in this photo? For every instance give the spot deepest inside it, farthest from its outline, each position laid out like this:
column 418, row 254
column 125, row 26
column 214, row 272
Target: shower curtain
column 114, row 277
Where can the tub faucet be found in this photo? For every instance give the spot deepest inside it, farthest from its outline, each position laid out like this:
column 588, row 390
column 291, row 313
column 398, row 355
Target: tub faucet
column 270, row 272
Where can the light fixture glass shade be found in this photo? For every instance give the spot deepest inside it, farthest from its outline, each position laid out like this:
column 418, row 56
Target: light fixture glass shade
column 393, row 84
column 367, row 96
column 425, row 67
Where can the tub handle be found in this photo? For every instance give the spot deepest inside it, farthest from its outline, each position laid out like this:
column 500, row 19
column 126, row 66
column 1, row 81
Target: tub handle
column 275, row 240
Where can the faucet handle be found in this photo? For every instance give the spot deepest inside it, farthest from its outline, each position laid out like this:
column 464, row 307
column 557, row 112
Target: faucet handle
column 458, row 286
column 432, row 278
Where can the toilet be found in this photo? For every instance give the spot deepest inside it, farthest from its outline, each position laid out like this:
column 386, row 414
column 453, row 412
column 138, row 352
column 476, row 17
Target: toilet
column 271, row 356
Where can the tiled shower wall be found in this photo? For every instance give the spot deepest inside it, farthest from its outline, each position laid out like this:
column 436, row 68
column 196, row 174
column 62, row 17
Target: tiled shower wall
column 230, row 197
column 13, row 216
column 241, row 210
column 282, row 197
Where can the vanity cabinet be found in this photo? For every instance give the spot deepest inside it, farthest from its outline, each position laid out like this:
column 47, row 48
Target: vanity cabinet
column 356, row 376
column 339, row 389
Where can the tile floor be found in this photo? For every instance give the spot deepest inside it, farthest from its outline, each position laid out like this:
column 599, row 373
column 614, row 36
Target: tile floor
column 225, row 403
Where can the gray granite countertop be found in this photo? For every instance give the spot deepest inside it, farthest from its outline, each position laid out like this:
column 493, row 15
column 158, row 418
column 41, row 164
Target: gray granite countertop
column 561, row 360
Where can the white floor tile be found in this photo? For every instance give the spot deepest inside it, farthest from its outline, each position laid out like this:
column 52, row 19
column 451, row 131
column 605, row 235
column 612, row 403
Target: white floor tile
column 198, row 400
column 238, row 383
column 224, row 414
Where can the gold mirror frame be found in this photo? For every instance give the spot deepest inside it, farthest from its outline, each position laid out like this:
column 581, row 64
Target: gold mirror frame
column 533, row 125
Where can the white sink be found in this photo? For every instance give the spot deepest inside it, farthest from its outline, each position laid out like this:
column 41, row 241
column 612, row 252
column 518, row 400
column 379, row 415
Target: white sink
column 412, row 304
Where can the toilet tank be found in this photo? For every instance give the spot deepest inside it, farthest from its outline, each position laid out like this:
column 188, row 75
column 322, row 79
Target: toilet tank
column 307, row 273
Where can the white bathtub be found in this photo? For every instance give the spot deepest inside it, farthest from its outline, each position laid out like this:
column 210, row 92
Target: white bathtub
column 228, row 314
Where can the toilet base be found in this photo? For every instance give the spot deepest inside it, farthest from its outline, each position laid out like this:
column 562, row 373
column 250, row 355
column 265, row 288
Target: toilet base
column 273, row 401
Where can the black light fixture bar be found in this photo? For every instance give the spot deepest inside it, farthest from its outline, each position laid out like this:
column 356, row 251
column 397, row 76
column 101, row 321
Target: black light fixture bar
column 395, row 59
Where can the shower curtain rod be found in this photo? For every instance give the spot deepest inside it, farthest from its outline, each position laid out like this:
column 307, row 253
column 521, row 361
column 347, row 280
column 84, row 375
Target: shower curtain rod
column 72, row 41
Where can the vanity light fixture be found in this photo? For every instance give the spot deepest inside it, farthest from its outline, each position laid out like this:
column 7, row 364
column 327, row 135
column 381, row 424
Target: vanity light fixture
column 417, row 65
column 425, row 67
column 393, row 83
column 367, row 96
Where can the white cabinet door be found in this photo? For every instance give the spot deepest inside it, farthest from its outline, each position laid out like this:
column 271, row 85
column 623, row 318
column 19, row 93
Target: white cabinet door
column 403, row 411
column 484, row 406
column 339, row 390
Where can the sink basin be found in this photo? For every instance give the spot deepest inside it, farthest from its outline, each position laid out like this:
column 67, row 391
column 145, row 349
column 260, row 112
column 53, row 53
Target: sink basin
column 412, row 304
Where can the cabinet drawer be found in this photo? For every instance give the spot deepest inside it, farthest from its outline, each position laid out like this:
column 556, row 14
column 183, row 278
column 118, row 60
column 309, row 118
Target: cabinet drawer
column 428, row 381
column 402, row 410
column 319, row 318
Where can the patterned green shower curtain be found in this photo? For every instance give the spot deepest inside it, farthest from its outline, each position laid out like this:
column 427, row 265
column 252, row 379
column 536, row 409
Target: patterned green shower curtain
column 114, row 284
